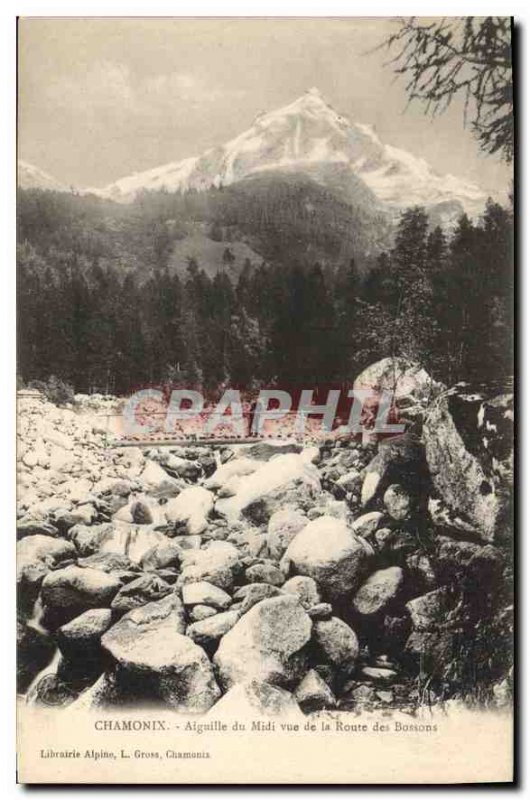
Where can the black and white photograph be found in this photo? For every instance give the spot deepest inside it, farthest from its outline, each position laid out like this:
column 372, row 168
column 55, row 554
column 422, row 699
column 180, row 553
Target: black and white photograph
column 265, row 399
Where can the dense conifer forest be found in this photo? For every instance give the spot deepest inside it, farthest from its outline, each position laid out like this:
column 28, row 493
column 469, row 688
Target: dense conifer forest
column 103, row 306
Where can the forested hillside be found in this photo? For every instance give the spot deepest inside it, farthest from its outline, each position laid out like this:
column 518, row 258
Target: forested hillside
column 105, row 303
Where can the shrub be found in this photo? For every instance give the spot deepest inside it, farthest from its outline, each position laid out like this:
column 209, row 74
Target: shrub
column 55, row 390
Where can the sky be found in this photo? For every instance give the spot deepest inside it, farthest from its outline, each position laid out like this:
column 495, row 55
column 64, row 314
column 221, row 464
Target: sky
column 102, row 98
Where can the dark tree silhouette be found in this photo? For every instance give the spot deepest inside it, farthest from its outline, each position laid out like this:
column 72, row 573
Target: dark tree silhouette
column 469, row 56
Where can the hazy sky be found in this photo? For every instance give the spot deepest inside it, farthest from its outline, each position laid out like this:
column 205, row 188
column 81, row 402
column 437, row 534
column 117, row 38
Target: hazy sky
column 102, row 98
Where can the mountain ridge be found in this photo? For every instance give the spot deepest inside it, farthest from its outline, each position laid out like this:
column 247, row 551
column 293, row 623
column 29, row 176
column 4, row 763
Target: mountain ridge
column 304, row 134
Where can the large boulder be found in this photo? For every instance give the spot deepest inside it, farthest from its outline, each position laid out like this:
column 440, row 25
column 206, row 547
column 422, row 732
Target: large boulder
column 408, row 383
column 266, row 644
column 469, row 450
column 68, row 592
column 328, row 551
column 189, row 512
column 155, row 661
column 285, row 480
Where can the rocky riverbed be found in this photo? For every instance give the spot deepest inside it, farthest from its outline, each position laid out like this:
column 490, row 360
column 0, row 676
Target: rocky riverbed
column 343, row 575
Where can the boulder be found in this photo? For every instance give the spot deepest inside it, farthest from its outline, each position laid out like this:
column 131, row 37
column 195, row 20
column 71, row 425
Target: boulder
column 35, row 527
column 204, row 593
column 337, row 641
column 313, row 694
column 207, row 632
column 265, row 573
column 189, row 512
column 378, row 591
column 196, row 613
column 68, row 592
column 154, row 661
column 366, row 524
column 142, row 590
column 429, row 610
column 266, row 644
column 109, row 562
column 235, row 468
column 80, row 638
column 162, row 555
column 407, row 382
column 320, row 611
column 141, row 513
column 285, row 479
column 283, row 527
column 328, row 551
column 253, row 593
column 469, row 452
column 87, row 538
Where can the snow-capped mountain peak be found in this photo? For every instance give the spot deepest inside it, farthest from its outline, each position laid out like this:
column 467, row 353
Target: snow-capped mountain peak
column 309, row 135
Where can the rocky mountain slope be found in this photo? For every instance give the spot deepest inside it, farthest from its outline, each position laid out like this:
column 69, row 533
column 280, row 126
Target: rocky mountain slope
column 295, row 578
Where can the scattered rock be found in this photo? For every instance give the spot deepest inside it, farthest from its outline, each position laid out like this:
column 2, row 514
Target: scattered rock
column 201, row 612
